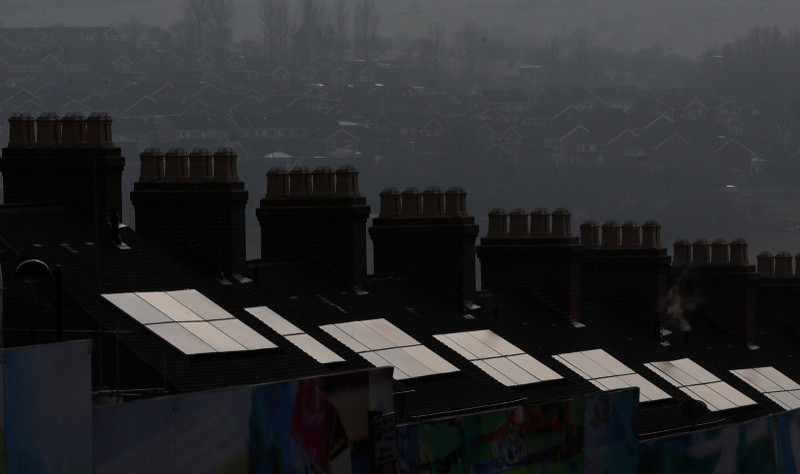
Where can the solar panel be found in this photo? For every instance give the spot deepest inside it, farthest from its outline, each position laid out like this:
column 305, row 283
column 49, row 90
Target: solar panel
column 609, row 363
column 391, row 332
column 404, row 361
column 497, row 343
column 314, row 348
column 366, row 336
column 243, row 334
column 378, row 361
column 511, row 370
column 502, row 360
column 758, row 380
column 585, row 365
column 494, row 373
column 212, row 336
column 200, row 305
column 444, row 339
column 609, row 373
column 168, row 315
column 431, row 359
column 700, row 384
column 180, row 338
column 783, row 381
column 275, row 321
column 344, row 338
column 473, row 345
column 137, row 308
column 169, row 306
column 646, row 388
column 787, row 400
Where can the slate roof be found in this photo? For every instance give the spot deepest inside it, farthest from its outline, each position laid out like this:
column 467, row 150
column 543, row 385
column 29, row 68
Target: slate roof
column 309, row 299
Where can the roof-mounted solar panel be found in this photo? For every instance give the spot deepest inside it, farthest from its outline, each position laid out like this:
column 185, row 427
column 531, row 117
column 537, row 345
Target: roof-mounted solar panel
column 774, row 384
column 314, row 348
column 700, row 384
column 274, row 321
column 137, row 308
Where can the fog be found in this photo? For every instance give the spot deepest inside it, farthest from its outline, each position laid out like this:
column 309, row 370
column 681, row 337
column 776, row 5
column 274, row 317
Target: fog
column 684, row 112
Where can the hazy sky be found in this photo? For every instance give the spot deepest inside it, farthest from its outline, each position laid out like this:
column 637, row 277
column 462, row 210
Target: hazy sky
column 683, row 26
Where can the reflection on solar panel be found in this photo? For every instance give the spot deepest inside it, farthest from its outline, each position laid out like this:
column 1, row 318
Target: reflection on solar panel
column 382, row 343
column 500, row 359
column 189, row 321
column 700, row 384
column 295, row 335
column 772, row 383
column 608, row 373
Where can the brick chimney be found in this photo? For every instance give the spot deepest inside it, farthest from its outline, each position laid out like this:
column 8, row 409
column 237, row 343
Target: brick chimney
column 52, row 160
column 778, row 289
column 721, row 283
column 320, row 217
column 544, row 261
column 194, row 206
column 629, row 268
column 432, row 234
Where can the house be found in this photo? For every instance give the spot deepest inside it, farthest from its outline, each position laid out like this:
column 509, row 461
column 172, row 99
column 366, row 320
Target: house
column 169, row 331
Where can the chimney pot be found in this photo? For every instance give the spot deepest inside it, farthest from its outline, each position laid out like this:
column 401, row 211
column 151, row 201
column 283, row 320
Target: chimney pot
column 432, row 202
column 738, row 250
column 300, row 182
column 48, row 130
column 631, row 236
column 611, row 235
column 651, row 235
column 518, row 226
column 225, row 165
column 540, row 222
column 719, row 252
column 73, row 130
column 323, row 178
column 21, row 131
column 176, row 165
column 590, row 234
column 152, row 165
column 562, row 226
column 347, row 182
column 682, row 252
column 766, row 264
column 390, row 203
column 701, row 252
column 412, row 202
column 200, row 167
column 783, row 264
column 277, row 183
column 498, row 223
column 456, row 202
column 98, row 130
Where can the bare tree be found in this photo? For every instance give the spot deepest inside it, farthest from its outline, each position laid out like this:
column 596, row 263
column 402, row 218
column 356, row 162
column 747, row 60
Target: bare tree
column 366, row 20
column 206, row 21
column 268, row 13
column 341, row 13
column 313, row 21
column 470, row 44
column 433, row 47
column 133, row 28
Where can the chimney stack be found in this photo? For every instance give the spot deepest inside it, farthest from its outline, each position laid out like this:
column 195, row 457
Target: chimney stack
column 629, row 268
column 305, row 216
column 543, row 262
column 193, row 207
column 49, row 161
column 430, row 234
